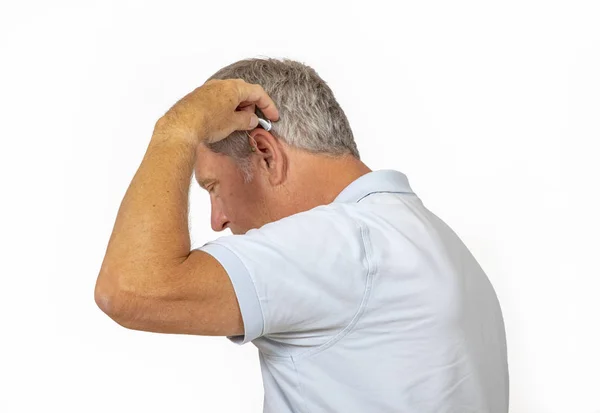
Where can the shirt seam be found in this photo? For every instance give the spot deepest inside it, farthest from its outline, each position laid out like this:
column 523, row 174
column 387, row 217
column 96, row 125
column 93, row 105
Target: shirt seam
column 384, row 192
column 371, row 270
column 299, row 383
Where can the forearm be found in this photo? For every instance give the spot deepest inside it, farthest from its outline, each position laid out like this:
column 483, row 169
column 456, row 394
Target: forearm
column 150, row 237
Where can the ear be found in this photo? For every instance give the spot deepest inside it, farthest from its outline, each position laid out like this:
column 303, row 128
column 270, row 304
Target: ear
column 270, row 153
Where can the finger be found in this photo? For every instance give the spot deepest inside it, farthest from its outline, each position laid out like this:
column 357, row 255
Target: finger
column 245, row 120
column 253, row 93
column 250, row 107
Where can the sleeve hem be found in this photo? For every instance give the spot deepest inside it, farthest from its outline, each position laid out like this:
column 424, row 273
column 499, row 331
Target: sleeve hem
column 245, row 291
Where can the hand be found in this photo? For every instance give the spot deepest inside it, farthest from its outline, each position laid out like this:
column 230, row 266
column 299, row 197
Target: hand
column 214, row 110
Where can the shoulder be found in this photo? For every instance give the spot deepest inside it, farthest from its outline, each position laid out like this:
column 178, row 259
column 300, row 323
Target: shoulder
column 304, row 235
column 325, row 237
column 328, row 221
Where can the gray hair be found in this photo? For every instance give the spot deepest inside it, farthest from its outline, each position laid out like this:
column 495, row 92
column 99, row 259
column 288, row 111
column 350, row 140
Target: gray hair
column 310, row 118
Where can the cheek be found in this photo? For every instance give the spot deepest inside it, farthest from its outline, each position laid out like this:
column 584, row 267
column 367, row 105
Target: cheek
column 230, row 203
column 243, row 201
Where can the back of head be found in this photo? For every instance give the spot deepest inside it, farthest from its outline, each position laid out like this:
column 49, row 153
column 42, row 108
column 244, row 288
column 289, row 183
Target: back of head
column 310, row 118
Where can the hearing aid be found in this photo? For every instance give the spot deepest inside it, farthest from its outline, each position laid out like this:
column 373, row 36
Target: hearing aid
column 265, row 123
column 262, row 119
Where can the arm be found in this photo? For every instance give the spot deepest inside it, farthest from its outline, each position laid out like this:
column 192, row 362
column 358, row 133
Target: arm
column 148, row 266
column 150, row 237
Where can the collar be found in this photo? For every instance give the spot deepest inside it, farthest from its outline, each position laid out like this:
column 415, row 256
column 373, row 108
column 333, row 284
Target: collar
column 383, row 180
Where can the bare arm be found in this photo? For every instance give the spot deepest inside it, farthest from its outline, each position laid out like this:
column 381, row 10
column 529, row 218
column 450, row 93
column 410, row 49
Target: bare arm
column 148, row 266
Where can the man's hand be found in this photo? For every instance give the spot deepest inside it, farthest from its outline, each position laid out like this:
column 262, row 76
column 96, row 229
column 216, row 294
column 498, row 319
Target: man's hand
column 214, row 110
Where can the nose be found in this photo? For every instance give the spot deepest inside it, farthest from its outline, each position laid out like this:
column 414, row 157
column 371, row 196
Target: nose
column 218, row 219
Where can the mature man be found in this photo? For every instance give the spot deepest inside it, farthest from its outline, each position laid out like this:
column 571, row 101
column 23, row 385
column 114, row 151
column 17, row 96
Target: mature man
column 358, row 297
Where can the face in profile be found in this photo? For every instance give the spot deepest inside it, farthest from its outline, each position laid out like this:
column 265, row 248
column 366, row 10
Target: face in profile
column 235, row 204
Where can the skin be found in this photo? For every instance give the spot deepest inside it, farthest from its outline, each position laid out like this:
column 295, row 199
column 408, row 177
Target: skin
column 149, row 279
column 285, row 181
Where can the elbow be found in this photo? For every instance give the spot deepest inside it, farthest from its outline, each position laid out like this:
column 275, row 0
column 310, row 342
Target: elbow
column 110, row 304
column 104, row 294
column 103, row 300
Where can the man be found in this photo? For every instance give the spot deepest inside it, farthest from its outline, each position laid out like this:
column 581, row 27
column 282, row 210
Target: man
column 358, row 298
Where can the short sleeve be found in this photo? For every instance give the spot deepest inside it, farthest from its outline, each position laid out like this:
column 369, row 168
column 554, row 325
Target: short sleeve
column 300, row 276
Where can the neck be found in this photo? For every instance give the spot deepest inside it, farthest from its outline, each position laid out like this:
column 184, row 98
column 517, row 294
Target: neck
column 320, row 178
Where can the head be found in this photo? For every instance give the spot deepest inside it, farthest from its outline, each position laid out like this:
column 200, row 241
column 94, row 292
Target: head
column 305, row 160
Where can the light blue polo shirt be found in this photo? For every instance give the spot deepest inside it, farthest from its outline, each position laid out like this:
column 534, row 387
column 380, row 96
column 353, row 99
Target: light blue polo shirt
column 368, row 304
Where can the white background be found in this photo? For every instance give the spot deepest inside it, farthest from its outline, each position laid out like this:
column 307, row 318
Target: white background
column 490, row 109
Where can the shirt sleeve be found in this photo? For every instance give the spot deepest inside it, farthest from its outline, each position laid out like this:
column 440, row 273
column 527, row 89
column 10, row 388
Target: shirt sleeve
column 301, row 275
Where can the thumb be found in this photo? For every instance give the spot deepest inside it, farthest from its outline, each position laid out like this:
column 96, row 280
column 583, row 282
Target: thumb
column 246, row 120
